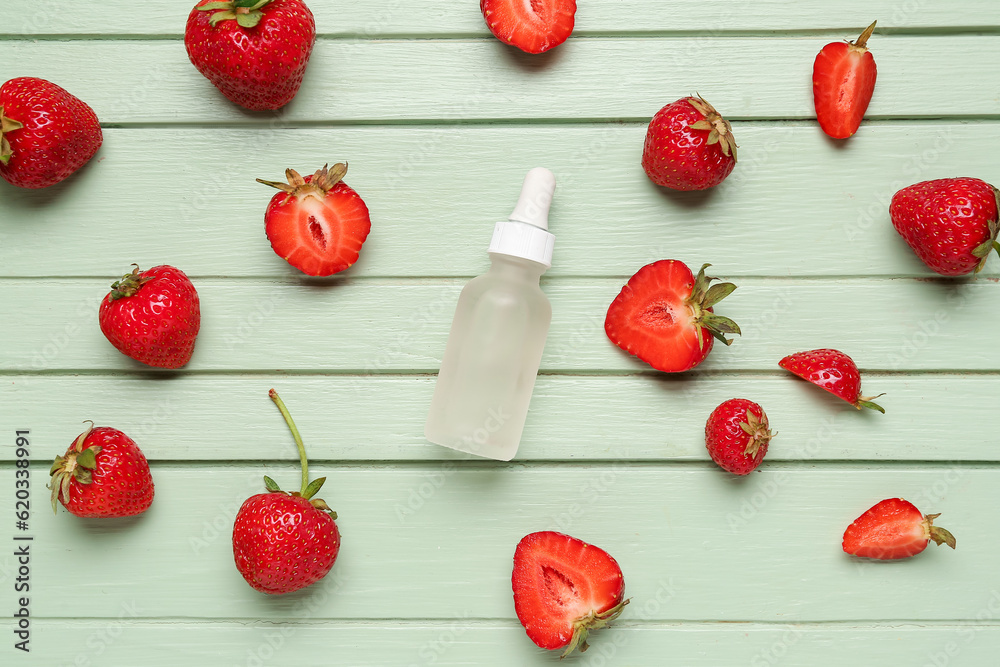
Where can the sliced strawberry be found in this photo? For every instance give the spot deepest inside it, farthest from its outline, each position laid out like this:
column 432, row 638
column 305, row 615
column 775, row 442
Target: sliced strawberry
column 533, row 26
column 843, row 82
column 893, row 528
column 317, row 223
column 834, row 371
column 563, row 589
column 663, row 315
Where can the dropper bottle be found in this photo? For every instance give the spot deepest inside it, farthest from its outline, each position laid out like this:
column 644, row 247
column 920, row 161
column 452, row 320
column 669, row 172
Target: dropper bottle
column 495, row 346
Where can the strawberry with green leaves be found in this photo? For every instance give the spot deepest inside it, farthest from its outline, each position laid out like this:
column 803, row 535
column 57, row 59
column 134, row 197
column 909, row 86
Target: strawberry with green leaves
column 317, row 223
column 46, row 133
column 254, row 51
column 950, row 223
column 103, row 474
column 665, row 316
column 689, row 146
column 737, row 436
column 893, row 528
column 833, row 371
column 286, row 541
column 153, row 316
column 564, row 589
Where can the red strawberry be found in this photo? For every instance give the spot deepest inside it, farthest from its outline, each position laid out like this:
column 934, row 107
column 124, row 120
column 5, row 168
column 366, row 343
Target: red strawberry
column 834, row 371
column 152, row 316
column 254, row 51
column 102, row 474
column 689, row 146
column 663, row 314
column 563, row 589
column 534, row 26
column 951, row 223
column 843, row 81
column 46, row 133
column 285, row 541
column 892, row 529
column 737, row 435
column 317, row 223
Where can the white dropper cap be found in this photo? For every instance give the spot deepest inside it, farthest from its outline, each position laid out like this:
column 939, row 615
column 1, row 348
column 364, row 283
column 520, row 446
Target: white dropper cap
column 526, row 233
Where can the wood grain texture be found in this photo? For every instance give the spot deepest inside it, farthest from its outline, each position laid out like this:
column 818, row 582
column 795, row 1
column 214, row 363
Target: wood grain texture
column 484, row 80
column 377, row 18
column 413, row 549
column 471, row 643
column 780, row 213
column 573, row 418
column 377, row 326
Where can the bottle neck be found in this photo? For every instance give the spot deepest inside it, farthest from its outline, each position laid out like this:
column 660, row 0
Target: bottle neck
column 518, row 268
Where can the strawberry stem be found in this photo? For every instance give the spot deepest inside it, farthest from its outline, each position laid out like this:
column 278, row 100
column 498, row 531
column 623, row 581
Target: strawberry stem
column 592, row 621
column 868, row 402
column 863, row 39
column 938, row 534
column 298, row 440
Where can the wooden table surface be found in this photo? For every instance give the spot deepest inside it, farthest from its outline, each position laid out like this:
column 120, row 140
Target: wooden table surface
column 439, row 122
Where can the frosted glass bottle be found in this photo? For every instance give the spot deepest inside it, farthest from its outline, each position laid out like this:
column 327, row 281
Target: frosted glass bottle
column 495, row 346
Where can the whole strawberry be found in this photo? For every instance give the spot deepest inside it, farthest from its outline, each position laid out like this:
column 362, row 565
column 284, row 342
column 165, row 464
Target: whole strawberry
column 893, row 528
column 564, row 589
column 834, row 371
column 285, row 541
column 46, row 133
column 737, row 436
column 317, row 223
column 843, row 82
column 254, row 51
column 951, row 223
column 152, row 316
column 689, row 146
column 664, row 315
column 102, row 474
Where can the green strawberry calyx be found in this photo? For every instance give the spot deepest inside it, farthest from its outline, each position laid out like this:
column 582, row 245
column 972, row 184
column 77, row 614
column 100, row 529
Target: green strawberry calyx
column 869, row 402
column 759, row 432
column 78, row 463
column 982, row 251
column 309, row 489
column 583, row 626
column 703, row 297
column 129, row 284
column 720, row 131
column 7, row 125
column 937, row 533
column 247, row 13
column 318, row 186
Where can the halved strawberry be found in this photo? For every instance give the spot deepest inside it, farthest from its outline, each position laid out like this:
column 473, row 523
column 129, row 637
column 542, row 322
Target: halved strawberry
column 843, row 83
column 893, row 528
column 663, row 314
column 533, row 26
column 834, row 371
column 317, row 223
column 564, row 588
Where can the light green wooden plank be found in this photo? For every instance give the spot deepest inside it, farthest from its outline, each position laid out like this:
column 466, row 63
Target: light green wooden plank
column 778, row 214
column 572, row 417
column 436, row 541
column 472, row 644
column 380, row 17
column 483, row 79
column 376, row 326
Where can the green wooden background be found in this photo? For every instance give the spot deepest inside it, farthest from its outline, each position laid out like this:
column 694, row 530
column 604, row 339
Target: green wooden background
column 439, row 122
